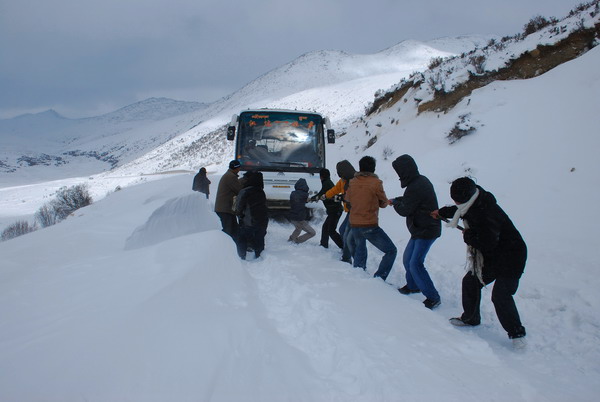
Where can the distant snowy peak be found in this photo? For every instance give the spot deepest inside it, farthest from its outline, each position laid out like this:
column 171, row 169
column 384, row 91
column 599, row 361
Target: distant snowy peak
column 153, row 109
column 328, row 67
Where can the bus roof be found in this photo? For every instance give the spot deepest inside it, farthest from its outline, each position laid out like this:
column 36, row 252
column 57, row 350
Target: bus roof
column 280, row 111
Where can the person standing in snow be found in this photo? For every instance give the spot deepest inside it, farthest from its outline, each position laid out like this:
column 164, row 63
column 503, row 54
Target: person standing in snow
column 251, row 207
column 334, row 212
column 496, row 252
column 416, row 204
column 366, row 195
column 346, row 172
column 201, row 182
column 229, row 187
column 299, row 213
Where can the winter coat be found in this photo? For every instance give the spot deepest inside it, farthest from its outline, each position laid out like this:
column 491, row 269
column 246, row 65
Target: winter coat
column 298, row 199
column 251, row 205
column 365, row 195
column 491, row 231
column 229, row 187
column 201, row 182
column 346, row 172
column 418, row 201
column 331, row 206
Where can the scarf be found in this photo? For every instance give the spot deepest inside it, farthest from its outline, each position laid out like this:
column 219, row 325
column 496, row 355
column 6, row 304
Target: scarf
column 474, row 256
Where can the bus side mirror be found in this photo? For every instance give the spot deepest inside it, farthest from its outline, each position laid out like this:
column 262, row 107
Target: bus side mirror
column 330, row 136
column 230, row 133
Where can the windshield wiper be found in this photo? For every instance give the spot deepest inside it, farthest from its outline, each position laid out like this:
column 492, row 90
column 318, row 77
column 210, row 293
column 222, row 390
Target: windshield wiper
column 289, row 163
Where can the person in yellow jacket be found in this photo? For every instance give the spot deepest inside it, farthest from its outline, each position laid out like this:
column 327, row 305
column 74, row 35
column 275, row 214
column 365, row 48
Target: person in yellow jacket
column 346, row 172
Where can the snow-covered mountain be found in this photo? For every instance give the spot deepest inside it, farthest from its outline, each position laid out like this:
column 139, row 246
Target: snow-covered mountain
column 31, row 144
column 46, row 146
column 140, row 296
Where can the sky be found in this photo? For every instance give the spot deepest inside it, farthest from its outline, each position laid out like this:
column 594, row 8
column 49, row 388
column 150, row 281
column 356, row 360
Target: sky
column 85, row 58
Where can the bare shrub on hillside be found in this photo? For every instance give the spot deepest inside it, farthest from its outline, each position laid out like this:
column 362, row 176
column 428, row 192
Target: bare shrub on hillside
column 67, row 201
column 461, row 129
column 435, row 62
column 387, row 152
column 536, row 23
column 17, row 229
column 478, row 62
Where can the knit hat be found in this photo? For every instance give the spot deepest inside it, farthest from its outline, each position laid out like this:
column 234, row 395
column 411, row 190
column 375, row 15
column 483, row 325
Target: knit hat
column 234, row 164
column 462, row 189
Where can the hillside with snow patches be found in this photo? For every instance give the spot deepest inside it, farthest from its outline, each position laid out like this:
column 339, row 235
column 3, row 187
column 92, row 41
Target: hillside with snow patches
column 140, row 296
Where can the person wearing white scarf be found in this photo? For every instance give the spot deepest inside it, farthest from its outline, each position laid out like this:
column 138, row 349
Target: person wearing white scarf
column 496, row 253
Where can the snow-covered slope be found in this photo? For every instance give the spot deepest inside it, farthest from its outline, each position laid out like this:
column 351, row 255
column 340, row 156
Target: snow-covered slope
column 177, row 316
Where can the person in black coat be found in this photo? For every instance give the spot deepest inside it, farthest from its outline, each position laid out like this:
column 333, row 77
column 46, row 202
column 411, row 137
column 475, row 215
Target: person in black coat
column 299, row 213
column 416, row 204
column 334, row 211
column 251, row 208
column 496, row 252
column 201, row 182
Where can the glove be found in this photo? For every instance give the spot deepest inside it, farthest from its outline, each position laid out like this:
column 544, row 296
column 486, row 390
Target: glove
column 338, row 198
column 323, row 198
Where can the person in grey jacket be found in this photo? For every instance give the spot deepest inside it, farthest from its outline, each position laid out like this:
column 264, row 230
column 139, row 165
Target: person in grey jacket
column 416, row 204
column 299, row 213
column 229, row 187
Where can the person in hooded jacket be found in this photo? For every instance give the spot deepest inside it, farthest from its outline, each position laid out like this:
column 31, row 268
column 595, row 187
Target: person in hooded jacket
column 251, row 208
column 346, row 172
column 334, row 212
column 496, row 252
column 416, row 204
column 299, row 213
column 201, row 182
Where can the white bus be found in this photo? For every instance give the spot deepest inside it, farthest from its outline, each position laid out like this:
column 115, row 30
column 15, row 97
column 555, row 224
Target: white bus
column 285, row 145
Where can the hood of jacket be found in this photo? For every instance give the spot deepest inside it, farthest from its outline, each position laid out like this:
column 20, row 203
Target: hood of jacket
column 345, row 170
column 253, row 179
column 301, row 185
column 406, row 168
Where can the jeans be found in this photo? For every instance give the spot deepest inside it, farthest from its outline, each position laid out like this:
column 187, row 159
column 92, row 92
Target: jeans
column 377, row 237
column 417, row 276
column 329, row 230
column 346, row 239
column 502, row 297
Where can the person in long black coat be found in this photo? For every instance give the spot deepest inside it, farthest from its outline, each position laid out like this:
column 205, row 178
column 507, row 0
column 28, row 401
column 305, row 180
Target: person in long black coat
column 497, row 252
column 416, row 204
column 251, row 208
column 334, row 211
column 201, row 182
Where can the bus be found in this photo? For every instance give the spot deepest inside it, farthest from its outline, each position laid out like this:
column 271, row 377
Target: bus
column 285, row 145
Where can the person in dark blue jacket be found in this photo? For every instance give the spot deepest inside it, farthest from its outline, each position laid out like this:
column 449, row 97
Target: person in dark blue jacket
column 299, row 213
column 251, row 208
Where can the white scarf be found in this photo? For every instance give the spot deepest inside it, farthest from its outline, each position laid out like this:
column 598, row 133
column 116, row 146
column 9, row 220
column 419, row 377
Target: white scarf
column 474, row 256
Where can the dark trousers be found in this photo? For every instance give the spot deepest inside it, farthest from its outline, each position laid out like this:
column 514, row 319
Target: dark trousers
column 329, row 229
column 230, row 224
column 253, row 236
column 502, row 297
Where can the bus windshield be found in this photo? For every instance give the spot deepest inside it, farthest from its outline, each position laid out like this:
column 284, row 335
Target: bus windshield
column 281, row 141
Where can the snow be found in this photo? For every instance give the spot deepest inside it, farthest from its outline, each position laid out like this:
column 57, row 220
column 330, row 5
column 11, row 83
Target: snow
column 140, row 296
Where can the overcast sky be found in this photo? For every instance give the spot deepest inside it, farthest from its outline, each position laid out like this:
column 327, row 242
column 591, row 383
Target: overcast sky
column 84, row 58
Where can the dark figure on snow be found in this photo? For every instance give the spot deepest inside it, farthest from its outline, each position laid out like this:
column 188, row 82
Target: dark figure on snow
column 251, row 207
column 229, row 187
column 299, row 213
column 334, row 212
column 365, row 196
column 416, row 204
column 496, row 251
column 346, row 172
column 201, row 182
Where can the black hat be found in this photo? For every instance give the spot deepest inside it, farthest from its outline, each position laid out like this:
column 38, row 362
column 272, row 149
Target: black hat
column 234, row 164
column 462, row 189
